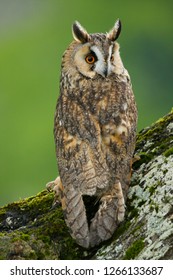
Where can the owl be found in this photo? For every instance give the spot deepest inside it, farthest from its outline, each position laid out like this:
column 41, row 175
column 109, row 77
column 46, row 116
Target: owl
column 94, row 131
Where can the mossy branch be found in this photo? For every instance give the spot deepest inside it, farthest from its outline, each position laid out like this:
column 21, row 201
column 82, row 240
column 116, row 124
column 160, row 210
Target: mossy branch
column 32, row 229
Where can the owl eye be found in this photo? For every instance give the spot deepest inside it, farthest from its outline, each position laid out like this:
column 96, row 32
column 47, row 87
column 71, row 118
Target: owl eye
column 90, row 58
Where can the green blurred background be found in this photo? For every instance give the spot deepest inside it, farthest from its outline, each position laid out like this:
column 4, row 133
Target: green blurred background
column 33, row 37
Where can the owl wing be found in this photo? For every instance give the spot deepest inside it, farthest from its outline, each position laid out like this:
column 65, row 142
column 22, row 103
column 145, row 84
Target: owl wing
column 78, row 148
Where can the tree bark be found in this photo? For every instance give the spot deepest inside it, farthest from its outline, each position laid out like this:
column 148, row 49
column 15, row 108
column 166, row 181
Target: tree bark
column 32, row 229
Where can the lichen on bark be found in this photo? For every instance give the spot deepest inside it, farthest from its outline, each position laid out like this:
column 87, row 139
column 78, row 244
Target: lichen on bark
column 32, row 229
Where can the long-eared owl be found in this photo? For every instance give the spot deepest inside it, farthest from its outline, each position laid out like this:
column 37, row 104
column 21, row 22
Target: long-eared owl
column 95, row 131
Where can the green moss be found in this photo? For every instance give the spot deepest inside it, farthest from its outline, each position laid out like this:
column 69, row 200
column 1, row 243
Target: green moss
column 133, row 213
column 165, row 171
column 153, row 207
column 32, row 255
column 44, row 238
column 136, row 229
column 25, row 237
column 40, row 203
column 131, row 210
column 144, row 158
column 40, row 231
column 168, row 152
column 17, row 236
column 121, row 229
column 160, row 120
column 152, row 189
column 2, row 211
column 134, row 250
column 142, row 202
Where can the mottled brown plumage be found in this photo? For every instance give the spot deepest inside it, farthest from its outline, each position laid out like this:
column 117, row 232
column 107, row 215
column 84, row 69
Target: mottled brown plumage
column 95, row 129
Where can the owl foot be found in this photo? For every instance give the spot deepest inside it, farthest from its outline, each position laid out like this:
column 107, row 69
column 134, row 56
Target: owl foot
column 55, row 186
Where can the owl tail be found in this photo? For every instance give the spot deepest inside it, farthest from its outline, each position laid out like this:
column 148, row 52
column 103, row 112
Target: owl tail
column 75, row 215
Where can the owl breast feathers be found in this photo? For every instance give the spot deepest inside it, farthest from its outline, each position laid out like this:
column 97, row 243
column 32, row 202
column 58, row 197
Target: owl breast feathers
column 95, row 130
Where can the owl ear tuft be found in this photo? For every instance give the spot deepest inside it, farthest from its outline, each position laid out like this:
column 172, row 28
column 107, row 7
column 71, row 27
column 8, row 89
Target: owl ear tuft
column 79, row 33
column 114, row 33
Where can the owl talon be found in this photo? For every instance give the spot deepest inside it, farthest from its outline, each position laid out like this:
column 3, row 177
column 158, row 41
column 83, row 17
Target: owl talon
column 50, row 186
column 55, row 186
column 56, row 203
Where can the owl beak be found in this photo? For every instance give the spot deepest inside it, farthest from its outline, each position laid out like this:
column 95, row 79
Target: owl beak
column 105, row 72
column 101, row 68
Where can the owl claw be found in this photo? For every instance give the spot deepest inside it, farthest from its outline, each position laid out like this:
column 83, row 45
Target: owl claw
column 55, row 186
column 50, row 186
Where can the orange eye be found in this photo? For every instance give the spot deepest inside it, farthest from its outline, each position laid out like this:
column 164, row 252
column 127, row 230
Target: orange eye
column 90, row 58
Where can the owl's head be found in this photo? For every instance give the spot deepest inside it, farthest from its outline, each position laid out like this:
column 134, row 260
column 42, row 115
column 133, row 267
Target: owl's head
column 94, row 55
